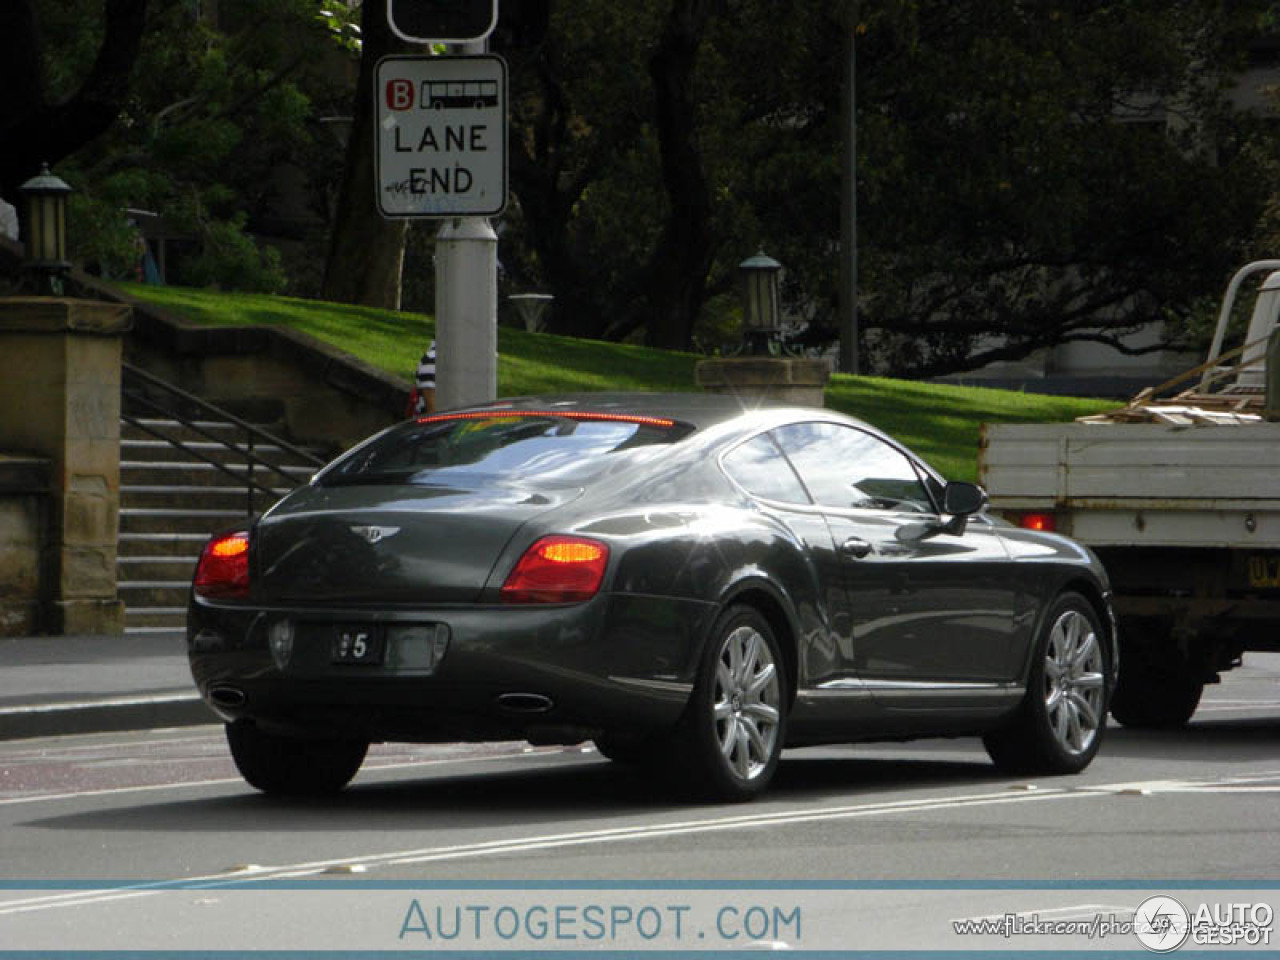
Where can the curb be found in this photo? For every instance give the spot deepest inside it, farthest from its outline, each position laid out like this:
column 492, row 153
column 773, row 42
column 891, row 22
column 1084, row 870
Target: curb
column 107, row 715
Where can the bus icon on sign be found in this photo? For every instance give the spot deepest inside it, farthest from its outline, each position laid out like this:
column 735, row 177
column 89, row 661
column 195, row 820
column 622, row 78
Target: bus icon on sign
column 476, row 94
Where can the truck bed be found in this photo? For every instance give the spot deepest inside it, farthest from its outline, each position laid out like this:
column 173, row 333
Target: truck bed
column 1142, row 484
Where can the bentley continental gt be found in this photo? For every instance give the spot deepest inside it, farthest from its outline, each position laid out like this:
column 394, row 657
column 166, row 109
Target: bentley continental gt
column 685, row 582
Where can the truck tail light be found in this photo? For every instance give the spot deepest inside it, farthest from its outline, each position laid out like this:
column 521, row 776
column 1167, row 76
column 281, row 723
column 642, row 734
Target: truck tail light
column 1044, row 522
column 557, row 570
column 223, row 570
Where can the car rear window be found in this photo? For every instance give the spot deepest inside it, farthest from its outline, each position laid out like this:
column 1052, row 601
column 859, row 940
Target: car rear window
column 555, row 448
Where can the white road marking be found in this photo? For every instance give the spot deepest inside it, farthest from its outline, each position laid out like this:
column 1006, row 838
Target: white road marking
column 545, row 842
column 625, row 834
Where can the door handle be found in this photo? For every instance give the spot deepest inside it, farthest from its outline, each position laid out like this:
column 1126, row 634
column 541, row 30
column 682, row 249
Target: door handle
column 855, row 547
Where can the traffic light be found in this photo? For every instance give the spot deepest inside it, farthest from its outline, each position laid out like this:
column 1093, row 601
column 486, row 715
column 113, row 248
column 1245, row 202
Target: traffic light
column 442, row 21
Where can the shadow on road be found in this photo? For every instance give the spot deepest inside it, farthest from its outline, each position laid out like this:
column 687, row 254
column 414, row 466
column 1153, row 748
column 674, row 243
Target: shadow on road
column 574, row 788
column 1206, row 740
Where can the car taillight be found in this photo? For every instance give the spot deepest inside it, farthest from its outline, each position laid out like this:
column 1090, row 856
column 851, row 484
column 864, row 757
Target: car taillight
column 223, row 570
column 1044, row 522
column 557, row 570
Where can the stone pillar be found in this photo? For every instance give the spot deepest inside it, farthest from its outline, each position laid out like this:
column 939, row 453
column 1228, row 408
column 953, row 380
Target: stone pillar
column 60, row 399
column 782, row 380
column 24, row 503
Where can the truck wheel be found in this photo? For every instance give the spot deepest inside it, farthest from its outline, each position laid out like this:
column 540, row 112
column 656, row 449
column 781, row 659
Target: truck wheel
column 1060, row 723
column 292, row 766
column 1152, row 691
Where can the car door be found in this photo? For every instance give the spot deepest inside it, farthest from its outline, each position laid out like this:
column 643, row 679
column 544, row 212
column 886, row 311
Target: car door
column 930, row 616
column 822, row 607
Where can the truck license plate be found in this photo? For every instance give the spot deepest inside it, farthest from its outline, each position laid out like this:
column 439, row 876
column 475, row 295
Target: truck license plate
column 1264, row 571
column 362, row 644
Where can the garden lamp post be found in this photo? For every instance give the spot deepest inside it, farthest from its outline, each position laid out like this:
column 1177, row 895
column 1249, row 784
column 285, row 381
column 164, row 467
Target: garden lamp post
column 761, row 315
column 46, row 224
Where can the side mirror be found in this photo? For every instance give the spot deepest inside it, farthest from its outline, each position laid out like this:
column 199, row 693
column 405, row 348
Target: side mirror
column 963, row 499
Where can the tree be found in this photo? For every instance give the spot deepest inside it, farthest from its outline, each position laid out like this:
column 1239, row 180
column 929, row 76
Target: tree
column 1029, row 175
column 366, row 252
column 36, row 128
column 1078, row 174
column 202, row 113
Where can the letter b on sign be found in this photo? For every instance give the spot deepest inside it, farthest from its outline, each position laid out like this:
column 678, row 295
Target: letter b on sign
column 399, row 94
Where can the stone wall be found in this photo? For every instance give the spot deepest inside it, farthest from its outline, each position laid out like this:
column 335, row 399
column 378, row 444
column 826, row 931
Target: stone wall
column 290, row 382
column 777, row 380
column 24, row 531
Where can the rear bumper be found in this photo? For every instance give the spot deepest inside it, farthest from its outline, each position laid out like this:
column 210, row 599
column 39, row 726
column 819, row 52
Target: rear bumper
column 548, row 674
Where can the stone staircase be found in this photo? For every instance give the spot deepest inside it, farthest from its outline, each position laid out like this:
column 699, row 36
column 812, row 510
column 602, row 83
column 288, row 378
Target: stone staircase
column 171, row 501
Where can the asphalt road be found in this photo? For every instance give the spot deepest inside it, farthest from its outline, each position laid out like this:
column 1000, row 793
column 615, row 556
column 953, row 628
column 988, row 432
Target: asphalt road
column 1181, row 807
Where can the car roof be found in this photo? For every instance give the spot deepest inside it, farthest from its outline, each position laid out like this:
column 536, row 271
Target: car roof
column 702, row 410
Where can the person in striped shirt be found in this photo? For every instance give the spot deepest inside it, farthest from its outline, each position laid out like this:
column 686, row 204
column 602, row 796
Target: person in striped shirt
column 423, row 398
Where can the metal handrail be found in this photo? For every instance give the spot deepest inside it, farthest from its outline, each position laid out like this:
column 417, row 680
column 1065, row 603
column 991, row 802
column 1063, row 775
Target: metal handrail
column 252, row 431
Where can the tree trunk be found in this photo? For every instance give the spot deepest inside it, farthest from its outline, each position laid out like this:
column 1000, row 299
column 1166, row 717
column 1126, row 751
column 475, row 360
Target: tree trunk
column 35, row 132
column 680, row 264
column 366, row 251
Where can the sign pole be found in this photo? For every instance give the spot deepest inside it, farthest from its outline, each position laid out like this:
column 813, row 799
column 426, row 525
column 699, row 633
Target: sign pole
column 466, row 306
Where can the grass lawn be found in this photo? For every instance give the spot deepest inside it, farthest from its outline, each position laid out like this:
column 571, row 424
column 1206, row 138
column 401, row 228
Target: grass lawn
column 941, row 423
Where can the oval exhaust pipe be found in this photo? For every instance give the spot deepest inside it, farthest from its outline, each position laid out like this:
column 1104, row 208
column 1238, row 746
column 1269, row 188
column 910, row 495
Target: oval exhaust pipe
column 525, row 702
column 228, row 696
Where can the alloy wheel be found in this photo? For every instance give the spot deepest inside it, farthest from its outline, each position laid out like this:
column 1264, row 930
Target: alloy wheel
column 1074, row 682
column 747, row 700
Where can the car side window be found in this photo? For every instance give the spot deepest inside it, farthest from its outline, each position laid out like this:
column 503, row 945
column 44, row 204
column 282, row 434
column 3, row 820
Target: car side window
column 847, row 468
column 761, row 469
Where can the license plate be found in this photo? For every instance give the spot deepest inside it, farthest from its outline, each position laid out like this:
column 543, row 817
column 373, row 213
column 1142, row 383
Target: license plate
column 362, row 644
column 1264, row 571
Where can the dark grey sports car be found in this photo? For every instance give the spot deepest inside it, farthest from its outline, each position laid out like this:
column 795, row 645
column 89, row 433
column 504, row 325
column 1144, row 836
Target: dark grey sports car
column 683, row 581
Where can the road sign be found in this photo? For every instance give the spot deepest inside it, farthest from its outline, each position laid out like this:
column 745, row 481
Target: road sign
column 442, row 136
column 442, row 21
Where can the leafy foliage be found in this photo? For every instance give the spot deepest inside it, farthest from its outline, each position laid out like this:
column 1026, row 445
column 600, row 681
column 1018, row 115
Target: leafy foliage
column 1027, row 173
column 214, row 113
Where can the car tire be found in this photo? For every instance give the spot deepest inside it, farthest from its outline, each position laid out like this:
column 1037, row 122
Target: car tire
column 1152, row 692
column 732, row 732
column 293, row 766
column 1060, row 723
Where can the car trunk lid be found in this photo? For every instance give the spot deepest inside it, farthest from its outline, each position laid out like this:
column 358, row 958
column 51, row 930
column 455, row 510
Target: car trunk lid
column 393, row 543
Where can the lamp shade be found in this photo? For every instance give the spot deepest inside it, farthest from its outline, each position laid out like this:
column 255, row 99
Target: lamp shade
column 46, row 239
column 761, row 314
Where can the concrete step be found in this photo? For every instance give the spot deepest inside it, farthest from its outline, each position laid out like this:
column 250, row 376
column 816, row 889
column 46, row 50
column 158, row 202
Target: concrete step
column 174, row 428
column 171, row 502
column 130, row 569
column 161, row 544
column 208, row 430
column 163, row 451
column 178, row 520
column 154, row 472
column 229, row 499
column 153, row 593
